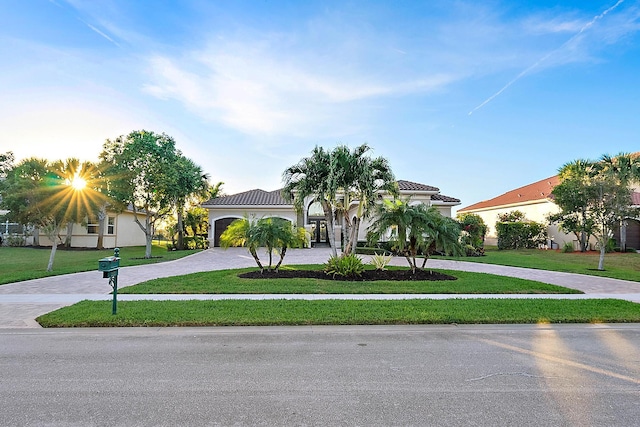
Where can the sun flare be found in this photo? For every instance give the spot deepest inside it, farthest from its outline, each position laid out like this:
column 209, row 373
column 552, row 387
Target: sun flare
column 78, row 183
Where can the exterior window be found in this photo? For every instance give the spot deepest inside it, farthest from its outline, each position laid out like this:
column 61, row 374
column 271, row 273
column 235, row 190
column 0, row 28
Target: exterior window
column 92, row 225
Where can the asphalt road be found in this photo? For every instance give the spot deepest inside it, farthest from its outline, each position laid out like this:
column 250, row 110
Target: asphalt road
column 496, row 375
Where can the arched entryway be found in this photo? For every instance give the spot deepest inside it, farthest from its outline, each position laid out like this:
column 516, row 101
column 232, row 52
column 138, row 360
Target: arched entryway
column 219, row 226
column 319, row 231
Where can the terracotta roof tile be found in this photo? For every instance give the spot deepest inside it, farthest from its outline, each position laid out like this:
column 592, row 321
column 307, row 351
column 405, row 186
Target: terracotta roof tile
column 537, row 191
column 635, row 196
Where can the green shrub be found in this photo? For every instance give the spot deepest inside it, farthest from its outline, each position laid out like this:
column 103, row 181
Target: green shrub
column 520, row 235
column 473, row 229
column 567, row 247
column 15, row 241
column 380, row 261
column 470, row 250
column 347, row 266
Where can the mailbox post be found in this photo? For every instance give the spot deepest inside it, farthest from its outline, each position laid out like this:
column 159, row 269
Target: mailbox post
column 109, row 267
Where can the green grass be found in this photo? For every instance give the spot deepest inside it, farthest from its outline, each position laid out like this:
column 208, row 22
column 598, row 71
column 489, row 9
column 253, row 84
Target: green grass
column 340, row 312
column 228, row 282
column 625, row 266
column 17, row 264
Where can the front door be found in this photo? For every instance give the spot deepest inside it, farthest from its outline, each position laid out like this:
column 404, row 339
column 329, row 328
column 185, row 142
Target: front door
column 318, row 232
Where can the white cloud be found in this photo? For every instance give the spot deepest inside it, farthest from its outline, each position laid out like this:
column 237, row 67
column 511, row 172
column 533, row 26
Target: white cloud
column 249, row 87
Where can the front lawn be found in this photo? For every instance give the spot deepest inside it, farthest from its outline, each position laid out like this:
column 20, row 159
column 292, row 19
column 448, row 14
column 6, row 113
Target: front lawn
column 625, row 266
column 228, row 282
column 26, row 263
column 340, row 312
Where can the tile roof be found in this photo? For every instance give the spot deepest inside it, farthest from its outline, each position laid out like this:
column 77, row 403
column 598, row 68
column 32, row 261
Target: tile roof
column 255, row 197
column 540, row 190
column 414, row 186
column 259, row 197
column 443, row 198
column 635, row 196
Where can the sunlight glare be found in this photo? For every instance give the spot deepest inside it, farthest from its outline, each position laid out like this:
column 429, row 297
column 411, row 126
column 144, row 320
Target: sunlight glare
column 78, row 183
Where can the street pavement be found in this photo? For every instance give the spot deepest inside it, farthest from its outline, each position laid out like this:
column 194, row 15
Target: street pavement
column 22, row 302
column 405, row 375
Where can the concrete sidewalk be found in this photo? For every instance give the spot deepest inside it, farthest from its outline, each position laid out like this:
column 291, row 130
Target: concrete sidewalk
column 22, row 302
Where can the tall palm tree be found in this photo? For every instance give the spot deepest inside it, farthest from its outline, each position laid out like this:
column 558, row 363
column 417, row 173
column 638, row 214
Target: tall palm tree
column 311, row 177
column 361, row 178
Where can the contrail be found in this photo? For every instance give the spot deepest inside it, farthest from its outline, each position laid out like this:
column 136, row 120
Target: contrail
column 99, row 32
column 544, row 58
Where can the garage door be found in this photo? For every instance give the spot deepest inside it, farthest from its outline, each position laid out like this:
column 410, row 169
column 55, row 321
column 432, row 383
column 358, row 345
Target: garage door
column 219, row 227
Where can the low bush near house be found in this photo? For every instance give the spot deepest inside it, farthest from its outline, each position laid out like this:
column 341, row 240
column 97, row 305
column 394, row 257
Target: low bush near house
column 346, row 265
column 380, row 261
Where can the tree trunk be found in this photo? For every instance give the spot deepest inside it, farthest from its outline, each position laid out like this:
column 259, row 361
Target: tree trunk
column 424, row 262
column 623, row 235
column 54, row 246
column 149, row 241
column 67, row 240
column 180, row 226
column 148, row 232
column 270, row 251
column 102, row 215
column 353, row 237
column 283, row 252
column 601, row 260
column 36, row 236
column 254, row 254
column 328, row 216
column 52, row 256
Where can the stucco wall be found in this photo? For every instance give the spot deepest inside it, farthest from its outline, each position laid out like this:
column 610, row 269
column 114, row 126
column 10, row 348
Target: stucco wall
column 537, row 212
column 126, row 233
column 216, row 214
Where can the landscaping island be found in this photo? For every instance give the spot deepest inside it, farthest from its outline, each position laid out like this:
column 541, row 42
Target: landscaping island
column 290, row 312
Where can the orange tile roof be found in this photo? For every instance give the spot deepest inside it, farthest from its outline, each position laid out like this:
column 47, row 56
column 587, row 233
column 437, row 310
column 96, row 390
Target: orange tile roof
column 540, row 190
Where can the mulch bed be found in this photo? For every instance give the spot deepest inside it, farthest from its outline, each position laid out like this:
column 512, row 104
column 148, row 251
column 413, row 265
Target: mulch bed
column 367, row 275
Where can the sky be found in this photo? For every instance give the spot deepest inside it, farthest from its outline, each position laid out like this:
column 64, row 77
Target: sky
column 473, row 97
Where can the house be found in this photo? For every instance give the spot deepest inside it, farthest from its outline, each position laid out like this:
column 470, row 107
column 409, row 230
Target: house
column 259, row 203
column 536, row 202
column 120, row 231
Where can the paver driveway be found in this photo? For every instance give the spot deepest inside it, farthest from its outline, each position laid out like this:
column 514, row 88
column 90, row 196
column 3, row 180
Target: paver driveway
column 22, row 302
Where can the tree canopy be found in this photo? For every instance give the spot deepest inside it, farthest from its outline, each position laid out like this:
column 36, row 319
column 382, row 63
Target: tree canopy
column 594, row 197
column 146, row 173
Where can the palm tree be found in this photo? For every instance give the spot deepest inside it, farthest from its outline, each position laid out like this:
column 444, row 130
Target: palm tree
column 414, row 228
column 188, row 181
column 624, row 169
column 272, row 233
column 361, row 178
column 311, row 176
column 240, row 234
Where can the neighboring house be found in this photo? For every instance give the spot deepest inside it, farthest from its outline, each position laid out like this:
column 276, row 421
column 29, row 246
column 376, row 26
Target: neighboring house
column 536, row 202
column 259, row 203
column 120, row 231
